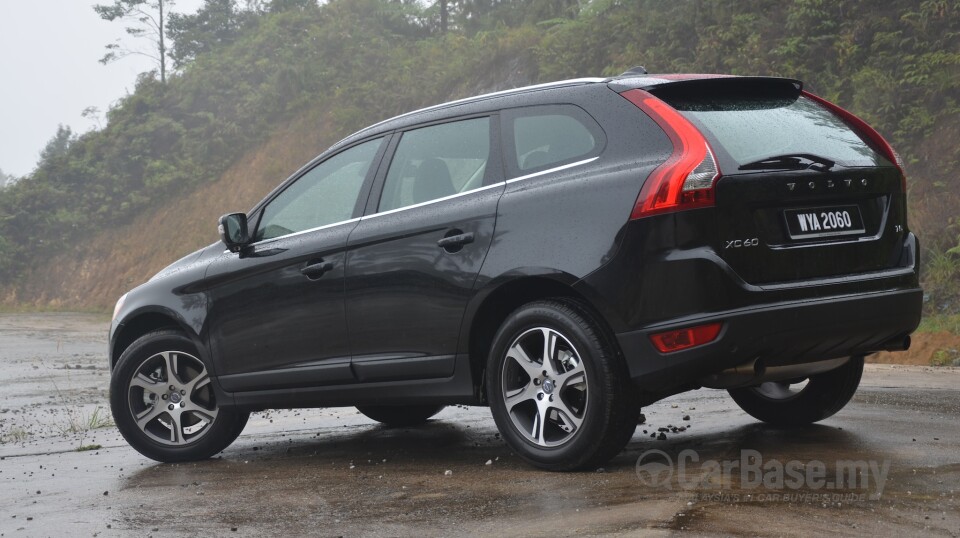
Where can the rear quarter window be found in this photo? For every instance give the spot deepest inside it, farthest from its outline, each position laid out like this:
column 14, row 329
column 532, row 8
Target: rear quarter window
column 543, row 137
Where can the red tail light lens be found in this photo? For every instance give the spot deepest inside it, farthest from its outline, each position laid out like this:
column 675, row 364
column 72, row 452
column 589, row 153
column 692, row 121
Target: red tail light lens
column 670, row 341
column 687, row 179
column 863, row 129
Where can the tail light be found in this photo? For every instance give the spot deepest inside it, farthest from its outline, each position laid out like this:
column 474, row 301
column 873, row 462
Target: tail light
column 687, row 179
column 676, row 340
column 863, row 129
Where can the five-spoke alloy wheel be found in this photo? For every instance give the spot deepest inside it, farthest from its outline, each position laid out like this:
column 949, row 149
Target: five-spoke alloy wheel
column 558, row 391
column 171, row 398
column 544, row 386
column 164, row 404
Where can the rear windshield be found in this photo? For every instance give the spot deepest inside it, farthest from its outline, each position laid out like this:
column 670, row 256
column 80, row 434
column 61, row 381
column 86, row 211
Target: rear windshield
column 753, row 128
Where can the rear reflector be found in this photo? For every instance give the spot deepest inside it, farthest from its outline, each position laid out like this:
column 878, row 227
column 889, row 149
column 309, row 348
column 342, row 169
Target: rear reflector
column 862, row 128
column 676, row 340
column 687, row 179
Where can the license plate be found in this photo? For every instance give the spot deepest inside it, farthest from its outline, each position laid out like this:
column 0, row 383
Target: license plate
column 814, row 222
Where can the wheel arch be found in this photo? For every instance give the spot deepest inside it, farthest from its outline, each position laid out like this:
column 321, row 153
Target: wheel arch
column 502, row 298
column 142, row 323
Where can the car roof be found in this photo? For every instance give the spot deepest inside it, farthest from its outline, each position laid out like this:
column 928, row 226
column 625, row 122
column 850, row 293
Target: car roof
column 413, row 116
column 626, row 81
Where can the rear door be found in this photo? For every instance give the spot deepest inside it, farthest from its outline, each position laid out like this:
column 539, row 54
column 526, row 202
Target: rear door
column 413, row 259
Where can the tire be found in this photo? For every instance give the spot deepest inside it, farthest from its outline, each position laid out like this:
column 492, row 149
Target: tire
column 786, row 404
column 400, row 415
column 162, row 379
column 593, row 411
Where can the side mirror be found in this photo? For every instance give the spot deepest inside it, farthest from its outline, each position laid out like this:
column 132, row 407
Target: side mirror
column 233, row 231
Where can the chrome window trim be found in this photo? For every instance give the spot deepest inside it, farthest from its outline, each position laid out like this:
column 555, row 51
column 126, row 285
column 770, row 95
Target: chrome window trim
column 500, row 184
column 301, row 232
column 555, row 169
column 428, row 202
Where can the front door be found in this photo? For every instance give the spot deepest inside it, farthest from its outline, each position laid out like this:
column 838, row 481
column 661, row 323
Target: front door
column 277, row 312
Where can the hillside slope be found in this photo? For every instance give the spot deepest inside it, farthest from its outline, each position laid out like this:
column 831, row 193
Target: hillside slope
column 94, row 273
column 103, row 214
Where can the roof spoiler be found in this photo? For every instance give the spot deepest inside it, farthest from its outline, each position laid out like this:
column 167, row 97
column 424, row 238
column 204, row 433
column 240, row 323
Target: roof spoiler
column 678, row 85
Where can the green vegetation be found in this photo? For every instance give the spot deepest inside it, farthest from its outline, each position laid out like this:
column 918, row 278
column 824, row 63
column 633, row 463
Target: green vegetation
column 77, row 421
column 243, row 74
column 14, row 435
column 80, row 424
column 949, row 323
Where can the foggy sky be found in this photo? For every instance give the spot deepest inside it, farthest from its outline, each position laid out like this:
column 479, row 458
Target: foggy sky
column 49, row 72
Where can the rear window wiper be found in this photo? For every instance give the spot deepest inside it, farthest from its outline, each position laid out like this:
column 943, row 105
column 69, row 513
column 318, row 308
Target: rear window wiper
column 791, row 161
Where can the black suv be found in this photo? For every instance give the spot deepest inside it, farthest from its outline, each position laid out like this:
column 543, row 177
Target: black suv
column 563, row 253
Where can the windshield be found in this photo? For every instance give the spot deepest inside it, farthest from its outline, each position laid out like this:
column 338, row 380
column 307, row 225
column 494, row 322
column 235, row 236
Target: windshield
column 753, row 128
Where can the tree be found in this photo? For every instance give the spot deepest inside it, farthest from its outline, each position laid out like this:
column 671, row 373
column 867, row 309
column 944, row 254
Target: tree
column 444, row 14
column 6, row 179
column 484, row 14
column 92, row 113
column 276, row 6
column 58, row 145
column 147, row 22
column 216, row 23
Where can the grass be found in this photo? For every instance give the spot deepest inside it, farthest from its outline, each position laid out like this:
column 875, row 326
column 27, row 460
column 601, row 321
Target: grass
column 939, row 323
column 941, row 282
column 79, row 423
column 943, row 357
column 15, row 435
column 941, row 267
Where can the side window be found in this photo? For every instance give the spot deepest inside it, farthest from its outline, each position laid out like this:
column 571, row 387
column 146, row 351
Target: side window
column 550, row 136
column 324, row 195
column 437, row 161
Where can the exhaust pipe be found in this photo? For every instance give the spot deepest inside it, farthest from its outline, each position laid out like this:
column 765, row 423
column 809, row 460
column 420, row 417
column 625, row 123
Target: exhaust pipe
column 754, row 373
column 901, row 343
column 734, row 377
column 793, row 371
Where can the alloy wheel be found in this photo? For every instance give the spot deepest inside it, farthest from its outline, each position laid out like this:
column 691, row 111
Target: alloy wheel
column 544, row 387
column 171, row 398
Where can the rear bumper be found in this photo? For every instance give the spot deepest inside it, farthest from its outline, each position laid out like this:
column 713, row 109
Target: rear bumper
column 782, row 333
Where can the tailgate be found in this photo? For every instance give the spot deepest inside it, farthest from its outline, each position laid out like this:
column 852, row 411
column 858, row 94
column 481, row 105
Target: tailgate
column 804, row 191
column 778, row 227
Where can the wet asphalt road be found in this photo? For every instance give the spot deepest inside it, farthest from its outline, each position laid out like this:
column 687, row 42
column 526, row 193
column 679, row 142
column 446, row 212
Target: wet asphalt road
column 332, row 472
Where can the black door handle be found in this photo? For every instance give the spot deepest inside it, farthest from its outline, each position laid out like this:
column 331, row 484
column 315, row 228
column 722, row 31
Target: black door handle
column 451, row 242
column 316, row 269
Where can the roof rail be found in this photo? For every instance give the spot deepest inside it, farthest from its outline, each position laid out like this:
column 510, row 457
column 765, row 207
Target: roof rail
column 557, row 84
column 638, row 70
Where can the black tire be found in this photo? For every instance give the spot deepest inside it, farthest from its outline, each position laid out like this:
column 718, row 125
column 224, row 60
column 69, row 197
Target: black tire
column 602, row 399
column 400, row 415
column 823, row 395
column 204, row 428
